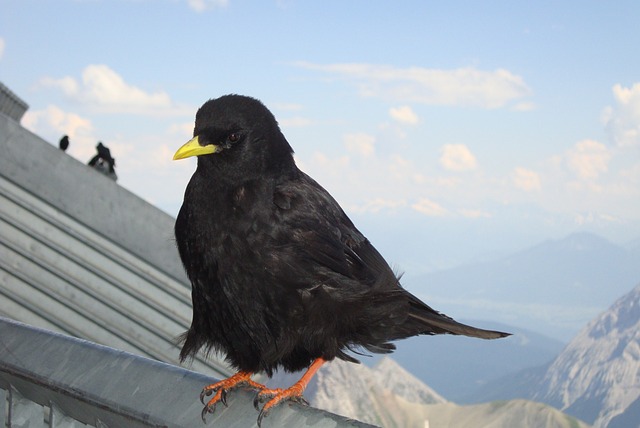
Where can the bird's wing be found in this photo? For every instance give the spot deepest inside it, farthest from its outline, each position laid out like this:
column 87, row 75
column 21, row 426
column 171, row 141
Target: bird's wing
column 327, row 243
column 324, row 238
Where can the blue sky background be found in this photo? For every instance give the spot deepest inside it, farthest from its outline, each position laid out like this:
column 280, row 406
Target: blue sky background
column 449, row 131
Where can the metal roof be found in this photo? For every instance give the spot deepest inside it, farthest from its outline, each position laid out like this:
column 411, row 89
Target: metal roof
column 59, row 270
column 60, row 381
column 82, row 256
column 11, row 104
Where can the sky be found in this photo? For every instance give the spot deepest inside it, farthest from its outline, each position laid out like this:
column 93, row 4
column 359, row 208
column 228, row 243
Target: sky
column 449, row 131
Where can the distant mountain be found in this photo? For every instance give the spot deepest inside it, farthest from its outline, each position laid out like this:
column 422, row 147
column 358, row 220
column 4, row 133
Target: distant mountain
column 633, row 245
column 457, row 366
column 518, row 385
column 372, row 395
column 497, row 414
column 630, row 418
column 553, row 288
column 389, row 396
column 597, row 376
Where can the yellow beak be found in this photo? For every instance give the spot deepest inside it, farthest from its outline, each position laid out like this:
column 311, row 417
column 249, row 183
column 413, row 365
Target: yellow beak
column 193, row 148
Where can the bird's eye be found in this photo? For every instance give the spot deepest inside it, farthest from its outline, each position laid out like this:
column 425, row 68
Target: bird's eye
column 231, row 139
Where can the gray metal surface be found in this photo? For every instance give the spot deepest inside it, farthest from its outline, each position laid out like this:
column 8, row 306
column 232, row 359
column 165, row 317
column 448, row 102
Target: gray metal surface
column 91, row 199
column 62, row 272
column 61, row 381
column 82, row 256
column 11, row 104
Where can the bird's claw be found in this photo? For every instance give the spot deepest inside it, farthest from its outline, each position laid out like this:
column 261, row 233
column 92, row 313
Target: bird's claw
column 267, row 408
column 219, row 397
column 273, row 398
column 300, row 399
column 207, row 409
column 256, row 401
column 223, row 397
column 264, row 396
column 261, row 416
column 205, row 393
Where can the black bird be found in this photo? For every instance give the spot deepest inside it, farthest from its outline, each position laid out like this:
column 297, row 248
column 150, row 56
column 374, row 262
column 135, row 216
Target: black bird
column 64, row 143
column 281, row 278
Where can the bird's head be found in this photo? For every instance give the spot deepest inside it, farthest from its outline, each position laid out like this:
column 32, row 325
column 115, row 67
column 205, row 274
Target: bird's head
column 239, row 134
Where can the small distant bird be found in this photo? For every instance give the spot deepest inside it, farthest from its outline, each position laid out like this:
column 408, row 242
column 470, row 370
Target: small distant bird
column 63, row 144
column 104, row 162
column 281, row 278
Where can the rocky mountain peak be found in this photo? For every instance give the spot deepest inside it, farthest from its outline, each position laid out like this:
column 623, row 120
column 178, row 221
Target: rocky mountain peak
column 597, row 376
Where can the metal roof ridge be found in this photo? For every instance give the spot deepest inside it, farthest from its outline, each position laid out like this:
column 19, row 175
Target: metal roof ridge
column 102, row 386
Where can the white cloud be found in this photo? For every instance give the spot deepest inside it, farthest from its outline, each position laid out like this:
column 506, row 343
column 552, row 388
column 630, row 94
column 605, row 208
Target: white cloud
column 429, row 208
column 466, row 86
column 161, row 156
column 475, row 214
column 401, row 170
column 364, row 179
column 292, row 121
column 360, row 143
column 588, row 159
column 184, row 129
column 330, row 164
column 524, row 106
column 457, row 157
column 295, row 122
column 526, row 179
column 52, row 123
column 288, row 106
column 404, row 114
column 202, row 5
column 622, row 121
column 378, row 204
column 102, row 88
column 146, row 161
column 2, row 45
column 582, row 219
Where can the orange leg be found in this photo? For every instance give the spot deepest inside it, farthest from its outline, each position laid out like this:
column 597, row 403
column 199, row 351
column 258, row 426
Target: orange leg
column 220, row 389
column 294, row 392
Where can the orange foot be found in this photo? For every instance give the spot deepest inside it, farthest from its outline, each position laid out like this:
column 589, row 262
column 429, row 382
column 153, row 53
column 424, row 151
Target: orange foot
column 220, row 389
column 293, row 393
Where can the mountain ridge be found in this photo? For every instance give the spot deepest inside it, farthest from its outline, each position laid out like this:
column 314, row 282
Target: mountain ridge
column 597, row 376
column 457, row 366
column 387, row 395
column 554, row 287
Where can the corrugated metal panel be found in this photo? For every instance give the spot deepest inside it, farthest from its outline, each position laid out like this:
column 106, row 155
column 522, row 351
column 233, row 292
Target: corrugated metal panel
column 84, row 286
column 102, row 268
column 11, row 104
column 64, row 274
column 91, row 199
column 59, row 381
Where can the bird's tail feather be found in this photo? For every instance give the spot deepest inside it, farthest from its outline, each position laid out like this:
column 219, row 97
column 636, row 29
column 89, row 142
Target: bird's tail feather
column 436, row 323
column 433, row 322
